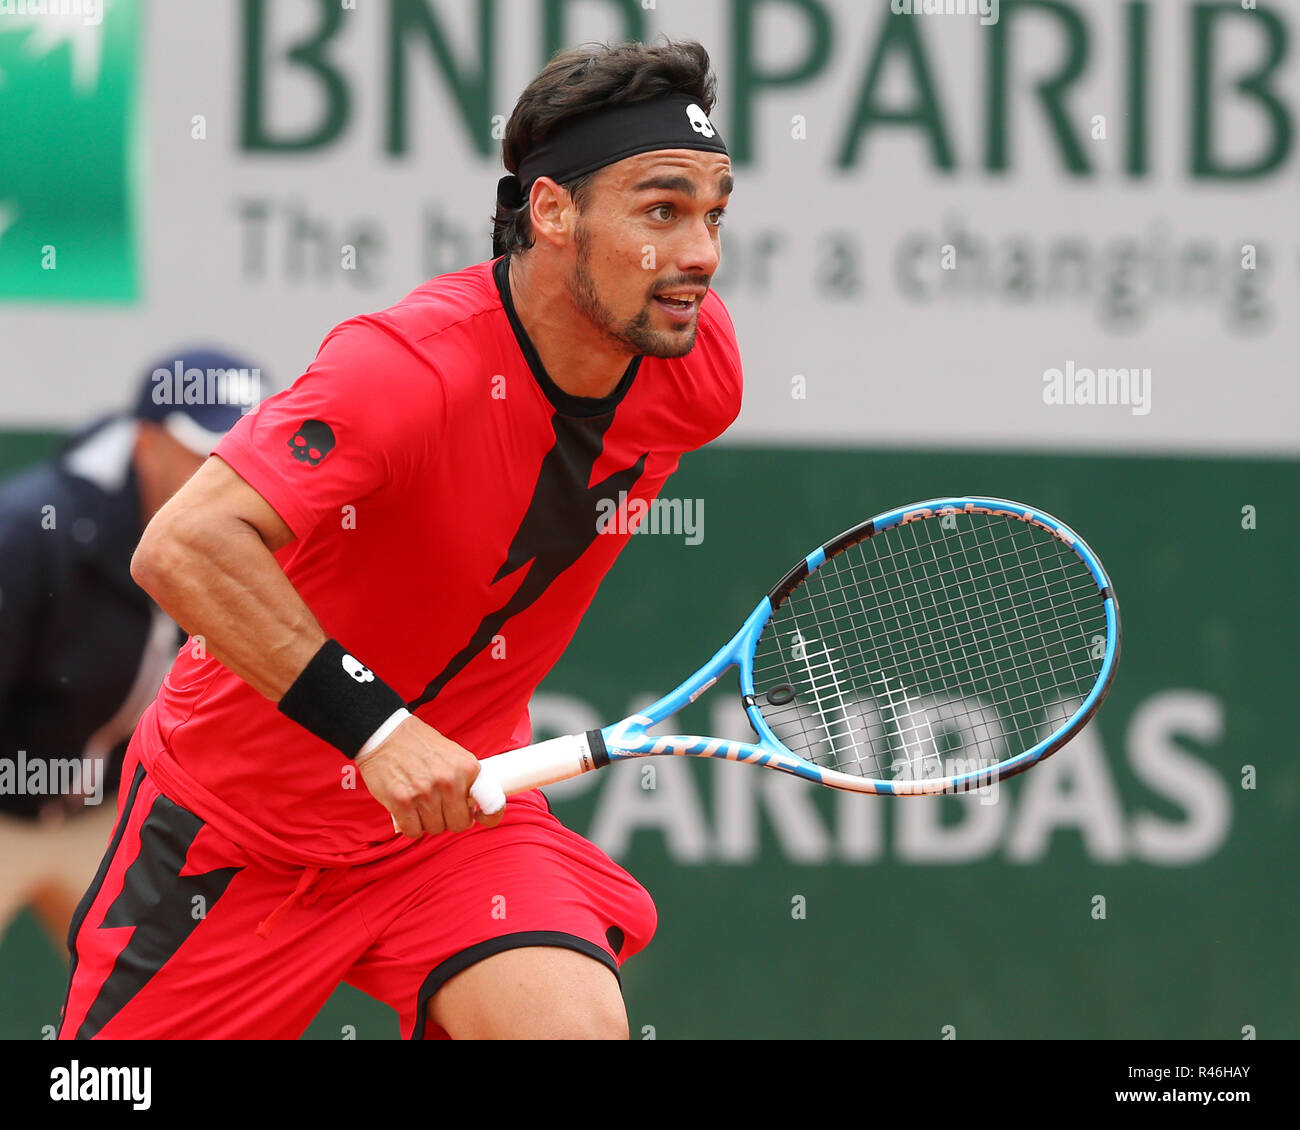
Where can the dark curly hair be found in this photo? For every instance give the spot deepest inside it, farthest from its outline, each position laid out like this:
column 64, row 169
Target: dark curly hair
column 577, row 81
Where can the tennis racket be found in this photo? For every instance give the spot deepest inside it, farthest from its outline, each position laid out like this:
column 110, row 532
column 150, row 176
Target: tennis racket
column 937, row 648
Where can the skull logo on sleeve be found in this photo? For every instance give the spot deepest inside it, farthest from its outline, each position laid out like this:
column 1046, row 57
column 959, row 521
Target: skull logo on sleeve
column 312, row 442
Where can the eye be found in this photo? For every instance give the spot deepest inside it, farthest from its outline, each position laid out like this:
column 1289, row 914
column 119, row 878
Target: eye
column 665, row 209
column 717, row 216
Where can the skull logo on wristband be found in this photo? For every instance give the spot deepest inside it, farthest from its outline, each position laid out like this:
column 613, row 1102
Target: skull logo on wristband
column 358, row 670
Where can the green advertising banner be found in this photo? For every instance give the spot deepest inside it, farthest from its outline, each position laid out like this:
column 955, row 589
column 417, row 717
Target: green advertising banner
column 1141, row 883
column 68, row 137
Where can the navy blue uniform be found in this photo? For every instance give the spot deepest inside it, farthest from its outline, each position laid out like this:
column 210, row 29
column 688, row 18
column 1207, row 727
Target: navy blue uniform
column 82, row 646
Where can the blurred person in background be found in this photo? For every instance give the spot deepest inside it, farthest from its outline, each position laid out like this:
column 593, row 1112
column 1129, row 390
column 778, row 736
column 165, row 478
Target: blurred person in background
column 83, row 649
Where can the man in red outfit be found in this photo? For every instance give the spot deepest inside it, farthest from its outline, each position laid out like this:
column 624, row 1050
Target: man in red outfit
column 378, row 569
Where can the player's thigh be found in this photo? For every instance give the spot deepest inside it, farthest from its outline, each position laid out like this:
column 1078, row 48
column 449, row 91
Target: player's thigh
column 532, row 993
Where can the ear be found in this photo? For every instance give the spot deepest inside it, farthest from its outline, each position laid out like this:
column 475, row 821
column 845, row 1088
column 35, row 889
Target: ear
column 553, row 212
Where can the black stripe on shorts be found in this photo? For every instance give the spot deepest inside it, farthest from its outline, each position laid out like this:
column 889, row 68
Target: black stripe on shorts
column 459, row 962
column 92, row 892
column 158, row 901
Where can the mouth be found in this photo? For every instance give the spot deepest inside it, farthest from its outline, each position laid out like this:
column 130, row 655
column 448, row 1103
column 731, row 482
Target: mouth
column 680, row 306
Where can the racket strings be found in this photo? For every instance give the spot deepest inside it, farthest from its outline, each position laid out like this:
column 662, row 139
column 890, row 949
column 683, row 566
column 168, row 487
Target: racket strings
column 1081, row 601
column 923, row 643
column 988, row 620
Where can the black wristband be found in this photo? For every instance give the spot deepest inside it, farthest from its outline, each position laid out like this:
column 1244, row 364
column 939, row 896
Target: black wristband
column 339, row 699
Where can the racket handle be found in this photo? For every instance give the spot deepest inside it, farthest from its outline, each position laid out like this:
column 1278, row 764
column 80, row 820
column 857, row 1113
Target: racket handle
column 533, row 766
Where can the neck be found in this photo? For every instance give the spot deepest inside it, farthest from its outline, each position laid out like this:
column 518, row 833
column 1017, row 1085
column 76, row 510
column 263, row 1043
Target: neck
column 577, row 356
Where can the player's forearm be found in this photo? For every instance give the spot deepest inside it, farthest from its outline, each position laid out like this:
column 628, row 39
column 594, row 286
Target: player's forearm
column 216, row 578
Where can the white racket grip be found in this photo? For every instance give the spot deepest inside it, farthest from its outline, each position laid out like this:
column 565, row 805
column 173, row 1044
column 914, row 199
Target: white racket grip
column 531, row 767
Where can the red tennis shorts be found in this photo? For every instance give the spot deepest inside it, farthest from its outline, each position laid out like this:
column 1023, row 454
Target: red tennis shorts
column 184, row 935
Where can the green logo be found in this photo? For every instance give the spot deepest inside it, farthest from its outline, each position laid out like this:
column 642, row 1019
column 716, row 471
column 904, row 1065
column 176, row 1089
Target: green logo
column 67, row 137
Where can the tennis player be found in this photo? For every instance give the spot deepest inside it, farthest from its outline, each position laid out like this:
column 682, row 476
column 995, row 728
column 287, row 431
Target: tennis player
column 378, row 569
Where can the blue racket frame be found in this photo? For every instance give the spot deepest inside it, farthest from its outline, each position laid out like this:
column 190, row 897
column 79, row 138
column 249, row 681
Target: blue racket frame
column 628, row 739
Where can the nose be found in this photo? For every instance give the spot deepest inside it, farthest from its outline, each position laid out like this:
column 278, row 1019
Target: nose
column 700, row 252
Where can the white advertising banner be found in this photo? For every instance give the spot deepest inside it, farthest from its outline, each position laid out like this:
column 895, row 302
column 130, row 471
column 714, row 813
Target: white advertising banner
column 1036, row 224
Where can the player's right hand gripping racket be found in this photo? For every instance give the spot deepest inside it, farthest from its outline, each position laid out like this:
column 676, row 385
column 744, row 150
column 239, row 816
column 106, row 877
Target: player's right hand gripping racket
column 937, row 648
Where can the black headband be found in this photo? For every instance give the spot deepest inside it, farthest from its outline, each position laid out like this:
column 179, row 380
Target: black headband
column 602, row 137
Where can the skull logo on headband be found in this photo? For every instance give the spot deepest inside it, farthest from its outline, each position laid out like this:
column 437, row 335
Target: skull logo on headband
column 700, row 120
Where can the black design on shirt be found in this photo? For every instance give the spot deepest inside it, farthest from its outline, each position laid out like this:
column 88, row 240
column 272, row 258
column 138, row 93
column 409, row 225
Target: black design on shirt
column 557, row 528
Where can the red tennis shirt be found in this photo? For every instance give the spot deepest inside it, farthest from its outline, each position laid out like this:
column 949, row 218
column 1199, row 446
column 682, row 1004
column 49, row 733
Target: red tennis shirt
column 445, row 496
